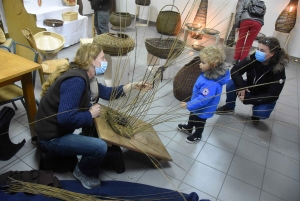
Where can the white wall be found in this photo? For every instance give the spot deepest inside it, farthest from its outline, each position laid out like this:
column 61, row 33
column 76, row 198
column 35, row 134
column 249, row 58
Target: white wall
column 86, row 7
column 218, row 11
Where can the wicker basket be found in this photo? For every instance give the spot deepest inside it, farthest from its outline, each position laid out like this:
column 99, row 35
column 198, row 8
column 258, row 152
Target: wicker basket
column 185, row 79
column 49, row 42
column 70, row 2
column 120, row 19
column 168, row 22
column 2, row 36
column 53, row 22
column 115, row 43
column 70, row 16
column 161, row 48
column 143, row 2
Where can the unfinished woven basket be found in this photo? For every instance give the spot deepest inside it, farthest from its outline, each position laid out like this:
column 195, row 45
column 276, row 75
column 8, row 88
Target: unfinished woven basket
column 168, row 22
column 164, row 48
column 185, row 79
column 120, row 19
column 115, row 43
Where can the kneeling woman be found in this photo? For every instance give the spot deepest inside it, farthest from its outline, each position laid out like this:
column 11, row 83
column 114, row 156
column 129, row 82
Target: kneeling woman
column 265, row 77
column 65, row 106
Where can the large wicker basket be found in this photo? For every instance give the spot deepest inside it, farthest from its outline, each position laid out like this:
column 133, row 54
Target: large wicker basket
column 185, row 79
column 49, row 42
column 120, row 19
column 168, row 22
column 143, row 2
column 164, row 48
column 115, row 43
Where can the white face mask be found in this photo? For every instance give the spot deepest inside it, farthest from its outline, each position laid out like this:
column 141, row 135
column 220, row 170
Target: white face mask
column 101, row 69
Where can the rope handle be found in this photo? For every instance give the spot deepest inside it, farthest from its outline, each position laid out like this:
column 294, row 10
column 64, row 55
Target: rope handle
column 170, row 5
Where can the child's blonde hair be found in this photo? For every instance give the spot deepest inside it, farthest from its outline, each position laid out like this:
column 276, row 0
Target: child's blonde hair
column 213, row 55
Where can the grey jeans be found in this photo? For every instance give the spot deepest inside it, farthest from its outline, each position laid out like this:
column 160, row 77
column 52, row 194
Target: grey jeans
column 101, row 21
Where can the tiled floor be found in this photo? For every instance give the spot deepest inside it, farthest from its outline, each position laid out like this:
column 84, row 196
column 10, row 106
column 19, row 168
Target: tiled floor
column 235, row 160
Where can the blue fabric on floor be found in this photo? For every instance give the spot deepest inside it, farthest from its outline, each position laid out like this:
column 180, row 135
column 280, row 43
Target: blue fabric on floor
column 122, row 190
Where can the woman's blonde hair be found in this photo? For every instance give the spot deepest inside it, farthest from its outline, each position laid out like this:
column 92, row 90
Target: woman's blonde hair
column 83, row 59
column 213, row 55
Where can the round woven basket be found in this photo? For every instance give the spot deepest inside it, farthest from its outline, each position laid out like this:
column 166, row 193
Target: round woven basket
column 53, row 22
column 164, row 48
column 120, row 19
column 185, row 79
column 49, row 42
column 168, row 22
column 143, row 2
column 70, row 2
column 2, row 36
column 115, row 43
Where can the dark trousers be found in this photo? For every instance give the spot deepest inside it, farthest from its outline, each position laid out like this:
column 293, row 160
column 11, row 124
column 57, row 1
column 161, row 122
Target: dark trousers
column 198, row 123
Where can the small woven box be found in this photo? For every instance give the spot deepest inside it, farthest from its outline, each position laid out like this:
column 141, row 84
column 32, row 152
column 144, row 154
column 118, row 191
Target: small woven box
column 70, row 16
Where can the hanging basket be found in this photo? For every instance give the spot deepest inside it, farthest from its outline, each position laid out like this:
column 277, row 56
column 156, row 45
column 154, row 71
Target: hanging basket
column 143, row 2
column 185, row 79
column 168, row 22
column 164, row 48
column 120, row 19
column 115, row 43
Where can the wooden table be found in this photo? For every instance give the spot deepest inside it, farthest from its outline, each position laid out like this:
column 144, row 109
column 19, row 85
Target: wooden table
column 14, row 68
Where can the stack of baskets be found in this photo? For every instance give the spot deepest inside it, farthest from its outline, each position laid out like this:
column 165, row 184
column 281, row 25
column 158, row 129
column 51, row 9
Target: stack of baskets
column 168, row 22
column 164, row 48
column 185, row 79
column 120, row 19
column 115, row 43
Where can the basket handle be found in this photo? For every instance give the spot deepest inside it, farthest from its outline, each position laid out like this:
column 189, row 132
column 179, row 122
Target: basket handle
column 170, row 5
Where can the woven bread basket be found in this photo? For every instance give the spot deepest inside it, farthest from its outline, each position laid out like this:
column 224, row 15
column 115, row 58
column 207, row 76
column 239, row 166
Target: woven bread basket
column 168, row 22
column 49, row 42
column 143, row 2
column 115, row 43
column 120, row 19
column 185, row 79
column 69, row 16
column 161, row 48
column 53, row 22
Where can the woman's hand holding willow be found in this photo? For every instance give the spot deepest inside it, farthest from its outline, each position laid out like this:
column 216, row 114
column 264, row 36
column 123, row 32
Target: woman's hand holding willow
column 95, row 110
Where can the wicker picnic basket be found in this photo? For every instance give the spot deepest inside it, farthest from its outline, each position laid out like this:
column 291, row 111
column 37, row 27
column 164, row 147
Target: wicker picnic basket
column 185, row 79
column 168, row 22
column 49, row 42
column 115, row 43
column 143, row 2
column 120, row 19
column 161, row 48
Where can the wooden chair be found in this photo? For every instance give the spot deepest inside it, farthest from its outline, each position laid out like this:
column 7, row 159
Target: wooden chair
column 7, row 44
column 12, row 92
column 48, row 67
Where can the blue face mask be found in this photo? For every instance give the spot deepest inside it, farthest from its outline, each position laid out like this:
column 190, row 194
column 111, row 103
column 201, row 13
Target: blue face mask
column 260, row 56
column 101, row 69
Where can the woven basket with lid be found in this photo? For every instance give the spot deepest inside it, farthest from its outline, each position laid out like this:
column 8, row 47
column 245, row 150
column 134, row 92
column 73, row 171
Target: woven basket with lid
column 115, row 43
column 185, row 79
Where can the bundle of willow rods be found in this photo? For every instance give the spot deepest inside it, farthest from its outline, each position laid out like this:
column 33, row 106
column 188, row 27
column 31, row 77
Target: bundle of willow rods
column 16, row 186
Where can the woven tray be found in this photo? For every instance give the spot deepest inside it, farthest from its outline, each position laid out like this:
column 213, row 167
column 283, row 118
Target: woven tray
column 161, row 48
column 53, row 22
column 210, row 31
column 115, row 43
column 49, row 42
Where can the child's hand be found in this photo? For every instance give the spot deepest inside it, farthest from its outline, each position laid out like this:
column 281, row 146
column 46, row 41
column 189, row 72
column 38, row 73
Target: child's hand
column 183, row 104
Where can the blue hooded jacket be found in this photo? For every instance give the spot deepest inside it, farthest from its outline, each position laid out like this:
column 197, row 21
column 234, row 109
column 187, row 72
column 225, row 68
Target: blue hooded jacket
column 207, row 92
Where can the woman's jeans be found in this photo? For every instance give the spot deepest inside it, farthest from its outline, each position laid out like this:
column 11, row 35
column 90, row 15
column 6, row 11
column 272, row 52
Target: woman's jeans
column 92, row 150
column 262, row 111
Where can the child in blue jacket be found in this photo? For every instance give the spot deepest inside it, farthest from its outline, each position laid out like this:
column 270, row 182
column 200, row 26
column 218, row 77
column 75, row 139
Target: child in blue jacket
column 206, row 92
